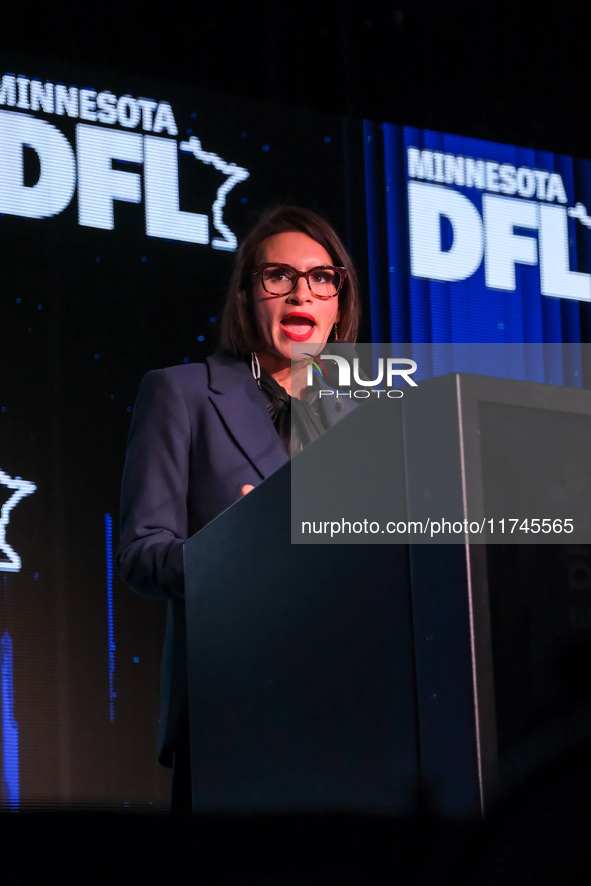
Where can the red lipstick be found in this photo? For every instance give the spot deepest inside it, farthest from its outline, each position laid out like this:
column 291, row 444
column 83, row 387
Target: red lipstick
column 298, row 326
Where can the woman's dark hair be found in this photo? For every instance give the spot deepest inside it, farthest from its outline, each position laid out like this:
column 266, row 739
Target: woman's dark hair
column 238, row 332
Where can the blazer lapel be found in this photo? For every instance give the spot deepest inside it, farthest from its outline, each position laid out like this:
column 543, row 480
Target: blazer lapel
column 241, row 406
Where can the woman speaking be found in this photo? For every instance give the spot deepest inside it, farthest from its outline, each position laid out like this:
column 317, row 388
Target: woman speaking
column 203, row 435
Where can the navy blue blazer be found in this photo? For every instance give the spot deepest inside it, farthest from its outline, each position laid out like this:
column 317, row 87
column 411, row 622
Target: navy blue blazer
column 199, row 433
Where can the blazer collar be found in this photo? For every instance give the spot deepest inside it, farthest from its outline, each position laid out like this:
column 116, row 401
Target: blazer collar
column 234, row 393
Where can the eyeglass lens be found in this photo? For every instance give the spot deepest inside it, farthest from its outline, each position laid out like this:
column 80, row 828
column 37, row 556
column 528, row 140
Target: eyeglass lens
column 324, row 282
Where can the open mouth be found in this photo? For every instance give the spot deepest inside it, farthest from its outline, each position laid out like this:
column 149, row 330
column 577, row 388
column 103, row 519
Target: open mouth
column 298, row 328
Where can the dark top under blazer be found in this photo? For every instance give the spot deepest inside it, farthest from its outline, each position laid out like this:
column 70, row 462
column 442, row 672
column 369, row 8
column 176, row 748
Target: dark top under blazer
column 199, row 433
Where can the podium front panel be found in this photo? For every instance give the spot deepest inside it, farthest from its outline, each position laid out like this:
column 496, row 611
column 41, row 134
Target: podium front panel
column 301, row 667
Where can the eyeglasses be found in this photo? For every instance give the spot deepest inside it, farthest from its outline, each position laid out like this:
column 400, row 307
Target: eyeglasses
column 280, row 279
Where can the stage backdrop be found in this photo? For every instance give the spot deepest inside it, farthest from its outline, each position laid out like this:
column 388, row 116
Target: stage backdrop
column 121, row 205
column 475, row 241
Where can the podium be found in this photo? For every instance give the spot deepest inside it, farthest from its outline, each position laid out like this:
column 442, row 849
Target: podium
column 372, row 676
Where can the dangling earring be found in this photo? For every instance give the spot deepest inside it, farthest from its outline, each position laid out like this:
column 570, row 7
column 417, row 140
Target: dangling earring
column 339, row 402
column 255, row 367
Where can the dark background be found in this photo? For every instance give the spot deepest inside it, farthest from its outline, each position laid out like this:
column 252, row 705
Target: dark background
column 509, row 71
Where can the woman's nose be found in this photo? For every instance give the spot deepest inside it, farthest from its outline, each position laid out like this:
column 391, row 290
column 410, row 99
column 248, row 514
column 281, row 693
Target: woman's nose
column 301, row 292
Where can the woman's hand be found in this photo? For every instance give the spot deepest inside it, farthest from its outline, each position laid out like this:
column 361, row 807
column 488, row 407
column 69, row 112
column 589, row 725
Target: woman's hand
column 246, row 489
